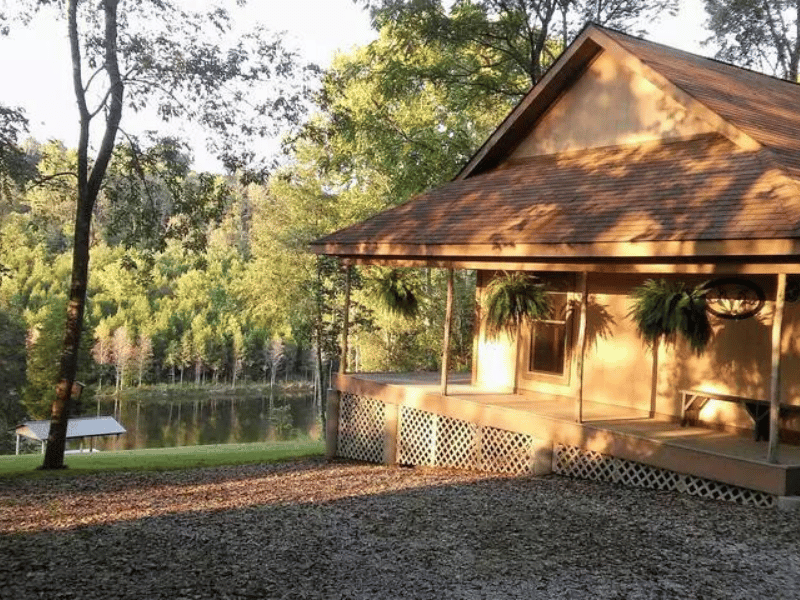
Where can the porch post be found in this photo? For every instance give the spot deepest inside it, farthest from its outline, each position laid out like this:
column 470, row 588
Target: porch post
column 448, row 317
column 581, row 345
column 775, row 379
column 346, row 323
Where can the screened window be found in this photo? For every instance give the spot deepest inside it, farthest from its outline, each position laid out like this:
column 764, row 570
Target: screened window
column 548, row 349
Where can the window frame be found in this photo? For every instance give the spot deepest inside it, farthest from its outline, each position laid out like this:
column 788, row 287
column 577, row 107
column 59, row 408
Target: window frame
column 545, row 381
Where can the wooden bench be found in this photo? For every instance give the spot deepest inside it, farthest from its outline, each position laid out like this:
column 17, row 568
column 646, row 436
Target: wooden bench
column 757, row 409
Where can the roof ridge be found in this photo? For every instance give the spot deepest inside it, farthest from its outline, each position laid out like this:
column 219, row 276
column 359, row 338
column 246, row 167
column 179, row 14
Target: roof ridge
column 711, row 59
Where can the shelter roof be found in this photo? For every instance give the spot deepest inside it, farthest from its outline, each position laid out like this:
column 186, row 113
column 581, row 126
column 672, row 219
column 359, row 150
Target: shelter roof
column 80, row 427
column 729, row 191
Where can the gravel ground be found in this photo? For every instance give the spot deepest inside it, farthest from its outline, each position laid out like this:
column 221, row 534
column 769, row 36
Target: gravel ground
column 316, row 530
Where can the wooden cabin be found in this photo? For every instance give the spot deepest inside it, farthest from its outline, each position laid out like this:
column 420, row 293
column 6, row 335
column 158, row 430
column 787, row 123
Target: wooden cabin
column 628, row 161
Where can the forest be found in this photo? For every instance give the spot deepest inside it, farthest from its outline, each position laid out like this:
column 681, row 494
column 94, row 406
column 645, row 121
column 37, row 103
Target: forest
column 206, row 277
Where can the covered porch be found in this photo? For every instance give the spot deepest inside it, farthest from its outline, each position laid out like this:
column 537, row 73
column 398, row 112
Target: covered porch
column 395, row 413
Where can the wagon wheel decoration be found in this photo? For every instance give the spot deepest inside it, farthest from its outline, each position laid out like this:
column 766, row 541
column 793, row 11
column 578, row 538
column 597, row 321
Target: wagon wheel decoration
column 734, row 298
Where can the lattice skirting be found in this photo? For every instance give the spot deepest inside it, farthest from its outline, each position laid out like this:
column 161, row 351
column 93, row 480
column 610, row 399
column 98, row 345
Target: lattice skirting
column 361, row 427
column 435, row 440
column 428, row 439
column 587, row 464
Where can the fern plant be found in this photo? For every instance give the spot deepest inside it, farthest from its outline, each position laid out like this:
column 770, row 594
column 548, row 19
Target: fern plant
column 513, row 299
column 663, row 309
column 396, row 292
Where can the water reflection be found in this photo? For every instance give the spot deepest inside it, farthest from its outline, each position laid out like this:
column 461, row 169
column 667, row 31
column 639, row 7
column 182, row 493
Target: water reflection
column 169, row 418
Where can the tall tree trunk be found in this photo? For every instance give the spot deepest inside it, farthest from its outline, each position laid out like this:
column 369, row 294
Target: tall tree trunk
column 57, row 438
column 88, row 188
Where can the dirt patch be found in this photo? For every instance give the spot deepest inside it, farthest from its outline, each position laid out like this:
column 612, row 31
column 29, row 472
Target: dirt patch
column 316, row 530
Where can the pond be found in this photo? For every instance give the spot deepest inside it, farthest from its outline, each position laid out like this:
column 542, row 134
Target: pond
column 174, row 417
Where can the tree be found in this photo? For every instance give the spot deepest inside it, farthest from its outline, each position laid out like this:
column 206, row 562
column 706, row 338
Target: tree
column 43, row 352
column 400, row 116
column 123, row 352
column 759, row 34
column 137, row 54
column 519, row 37
column 102, row 351
column 144, row 355
column 12, row 374
column 15, row 166
column 387, row 130
column 151, row 196
column 237, row 350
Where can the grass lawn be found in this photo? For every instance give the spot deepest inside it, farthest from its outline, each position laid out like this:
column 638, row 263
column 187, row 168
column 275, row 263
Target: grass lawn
column 163, row 459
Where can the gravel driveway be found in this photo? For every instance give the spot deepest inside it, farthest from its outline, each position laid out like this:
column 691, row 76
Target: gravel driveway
column 316, row 530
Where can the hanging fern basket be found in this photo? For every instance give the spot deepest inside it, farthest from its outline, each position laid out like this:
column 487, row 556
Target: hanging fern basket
column 513, row 299
column 663, row 309
column 396, row 292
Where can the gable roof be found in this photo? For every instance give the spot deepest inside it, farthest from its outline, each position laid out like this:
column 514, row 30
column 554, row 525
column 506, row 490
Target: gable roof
column 752, row 109
column 702, row 196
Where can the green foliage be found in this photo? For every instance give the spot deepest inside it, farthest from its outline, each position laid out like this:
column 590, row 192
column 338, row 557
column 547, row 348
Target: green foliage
column 43, row 358
column 392, row 124
column 663, row 309
column 519, row 39
column 396, row 291
column 15, row 165
column 759, row 34
column 513, row 299
column 382, row 341
column 151, row 197
column 12, row 374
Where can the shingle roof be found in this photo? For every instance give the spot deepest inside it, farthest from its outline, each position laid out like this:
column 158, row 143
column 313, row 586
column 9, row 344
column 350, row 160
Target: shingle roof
column 766, row 108
column 705, row 189
column 702, row 189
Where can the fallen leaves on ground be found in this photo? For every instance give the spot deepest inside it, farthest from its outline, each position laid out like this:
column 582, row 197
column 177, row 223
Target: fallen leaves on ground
column 311, row 529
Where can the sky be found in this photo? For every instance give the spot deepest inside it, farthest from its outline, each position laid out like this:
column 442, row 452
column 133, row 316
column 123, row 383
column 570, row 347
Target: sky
column 35, row 69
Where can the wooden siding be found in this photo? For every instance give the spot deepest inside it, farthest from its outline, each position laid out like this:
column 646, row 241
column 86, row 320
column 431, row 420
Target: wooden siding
column 610, row 105
column 618, row 367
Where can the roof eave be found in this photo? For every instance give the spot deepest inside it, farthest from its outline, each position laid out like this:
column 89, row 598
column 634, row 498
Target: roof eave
column 730, row 249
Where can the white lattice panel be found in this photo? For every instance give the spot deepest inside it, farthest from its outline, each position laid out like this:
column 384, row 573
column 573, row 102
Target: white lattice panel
column 506, row 451
column 361, row 425
column 456, row 445
column 417, row 433
column 586, row 464
column 583, row 464
column 435, row 440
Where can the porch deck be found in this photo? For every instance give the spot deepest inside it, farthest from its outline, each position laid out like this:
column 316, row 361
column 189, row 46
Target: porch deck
column 611, row 430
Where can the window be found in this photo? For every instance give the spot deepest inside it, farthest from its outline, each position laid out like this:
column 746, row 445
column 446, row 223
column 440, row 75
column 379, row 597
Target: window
column 544, row 359
column 548, row 343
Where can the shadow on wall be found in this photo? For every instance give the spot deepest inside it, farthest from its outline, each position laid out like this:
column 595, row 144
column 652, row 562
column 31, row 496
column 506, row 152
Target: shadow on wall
column 737, row 362
column 599, row 322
